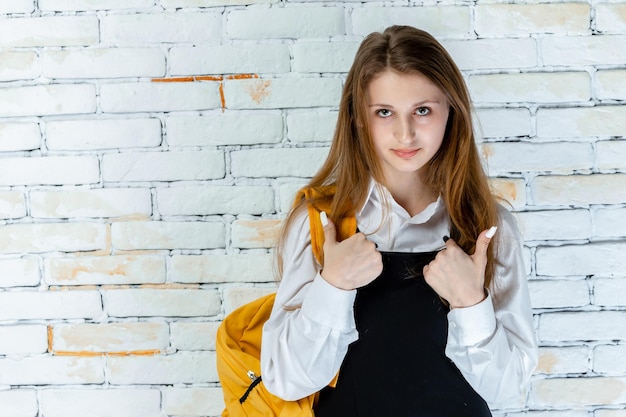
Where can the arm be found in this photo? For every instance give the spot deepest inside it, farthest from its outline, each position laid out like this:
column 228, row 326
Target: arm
column 311, row 325
column 493, row 343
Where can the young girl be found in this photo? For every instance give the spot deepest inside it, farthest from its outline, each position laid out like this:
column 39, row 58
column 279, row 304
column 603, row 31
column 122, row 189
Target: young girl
column 425, row 310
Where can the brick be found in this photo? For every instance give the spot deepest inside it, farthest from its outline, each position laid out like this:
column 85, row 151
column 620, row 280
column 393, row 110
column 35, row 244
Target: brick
column 311, row 126
column 95, row 203
column 18, row 402
column 563, row 360
column 327, row 57
column 493, row 53
column 593, row 325
column 228, row 128
column 193, row 336
column 86, row 5
column 173, row 166
column 590, row 50
column 609, row 292
column 191, row 27
column 610, row 17
column 548, row 413
column 221, row 268
column 611, row 84
column 605, row 259
column 522, row 19
column 609, row 222
column 31, row 305
column 610, row 413
column 287, row 193
column 193, row 401
column 279, row 93
column 45, row 100
column 174, row 4
column 552, row 87
column 611, row 154
column 579, row 189
column 555, row 224
column 12, row 205
column 286, row 22
column 110, row 337
column 23, row 340
column 19, row 66
column 101, row 402
column 145, row 302
column 607, row 359
column 236, row 297
column 577, row 392
column 105, row 134
column 445, row 21
column 105, row 270
column 205, row 200
column 230, row 59
column 255, row 233
column 49, row 170
column 21, row 272
column 167, row 235
column 47, row 370
column 555, row 157
column 502, row 123
column 295, row 162
column 558, row 293
column 180, row 368
column 49, row 31
column 103, row 63
column 51, row 237
column 159, row 96
column 28, row 133
column 16, row 6
column 601, row 121
column 512, row 190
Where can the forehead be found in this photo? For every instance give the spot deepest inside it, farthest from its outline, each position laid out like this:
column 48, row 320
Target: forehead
column 393, row 85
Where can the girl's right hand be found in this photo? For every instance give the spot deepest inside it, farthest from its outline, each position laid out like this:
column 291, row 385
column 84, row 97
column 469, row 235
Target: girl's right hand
column 351, row 263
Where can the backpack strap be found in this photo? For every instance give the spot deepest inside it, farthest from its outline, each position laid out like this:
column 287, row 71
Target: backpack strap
column 318, row 199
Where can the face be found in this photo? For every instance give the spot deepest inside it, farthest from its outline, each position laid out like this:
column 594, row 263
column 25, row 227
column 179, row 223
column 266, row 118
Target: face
column 407, row 116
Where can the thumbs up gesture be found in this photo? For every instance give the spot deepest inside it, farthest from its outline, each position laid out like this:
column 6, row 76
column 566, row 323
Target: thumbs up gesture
column 351, row 263
column 457, row 277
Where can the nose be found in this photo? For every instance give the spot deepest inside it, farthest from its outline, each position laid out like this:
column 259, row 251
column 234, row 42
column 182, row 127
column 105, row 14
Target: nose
column 404, row 132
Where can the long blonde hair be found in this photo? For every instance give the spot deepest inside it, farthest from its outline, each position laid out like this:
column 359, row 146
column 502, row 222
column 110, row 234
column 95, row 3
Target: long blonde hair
column 455, row 172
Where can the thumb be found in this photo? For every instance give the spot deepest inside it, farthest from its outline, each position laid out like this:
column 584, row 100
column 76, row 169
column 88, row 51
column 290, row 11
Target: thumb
column 330, row 233
column 482, row 243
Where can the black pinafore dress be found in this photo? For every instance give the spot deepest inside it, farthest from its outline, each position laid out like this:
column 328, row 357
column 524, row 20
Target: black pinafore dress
column 398, row 367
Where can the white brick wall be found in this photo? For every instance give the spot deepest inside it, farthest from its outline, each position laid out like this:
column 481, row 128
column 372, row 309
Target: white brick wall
column 149, row 149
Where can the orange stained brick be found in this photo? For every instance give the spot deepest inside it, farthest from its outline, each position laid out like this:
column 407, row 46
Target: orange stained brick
column 92, row 354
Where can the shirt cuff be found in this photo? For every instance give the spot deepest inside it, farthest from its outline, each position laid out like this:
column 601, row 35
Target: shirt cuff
column 329, row 305
column 471, row 325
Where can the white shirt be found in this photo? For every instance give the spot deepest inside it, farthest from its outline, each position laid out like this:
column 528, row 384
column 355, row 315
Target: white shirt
column 312, row 323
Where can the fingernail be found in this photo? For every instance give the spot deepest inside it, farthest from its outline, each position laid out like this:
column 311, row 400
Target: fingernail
column 446, row 238
column 324, row 218
column 491, row 231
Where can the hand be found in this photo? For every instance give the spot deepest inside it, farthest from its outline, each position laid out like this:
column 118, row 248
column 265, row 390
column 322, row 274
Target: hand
column 351, row 263
column 457, row 277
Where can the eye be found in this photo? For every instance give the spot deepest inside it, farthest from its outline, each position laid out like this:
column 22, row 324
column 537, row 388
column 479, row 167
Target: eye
column 422, row 111
column 384, row 113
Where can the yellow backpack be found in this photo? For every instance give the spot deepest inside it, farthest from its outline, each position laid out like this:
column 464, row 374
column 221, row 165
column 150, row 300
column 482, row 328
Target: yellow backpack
column 238, row 344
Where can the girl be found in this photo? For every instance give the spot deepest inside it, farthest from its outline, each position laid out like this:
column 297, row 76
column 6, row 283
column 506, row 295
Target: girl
column 415, row 323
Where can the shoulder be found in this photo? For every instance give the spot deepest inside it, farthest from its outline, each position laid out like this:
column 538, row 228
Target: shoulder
column 508, row 229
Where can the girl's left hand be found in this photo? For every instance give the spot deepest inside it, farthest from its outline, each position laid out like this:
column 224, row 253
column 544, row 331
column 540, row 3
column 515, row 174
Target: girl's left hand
column 457, row 277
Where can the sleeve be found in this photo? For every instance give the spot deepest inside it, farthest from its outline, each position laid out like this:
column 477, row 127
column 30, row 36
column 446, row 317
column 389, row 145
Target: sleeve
column 312, row 323
column 493, row 343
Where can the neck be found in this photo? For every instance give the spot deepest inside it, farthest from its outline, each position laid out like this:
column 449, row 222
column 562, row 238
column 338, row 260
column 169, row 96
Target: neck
column 411, row 193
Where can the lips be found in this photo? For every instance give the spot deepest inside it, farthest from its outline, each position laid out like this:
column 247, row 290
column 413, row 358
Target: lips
column 405, row 153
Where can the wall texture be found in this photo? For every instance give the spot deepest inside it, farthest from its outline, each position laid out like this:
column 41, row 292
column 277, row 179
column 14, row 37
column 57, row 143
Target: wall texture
column 149, row 148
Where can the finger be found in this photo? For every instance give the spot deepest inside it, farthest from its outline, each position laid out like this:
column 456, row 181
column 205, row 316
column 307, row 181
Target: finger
column 482, row 243
column 330, row 234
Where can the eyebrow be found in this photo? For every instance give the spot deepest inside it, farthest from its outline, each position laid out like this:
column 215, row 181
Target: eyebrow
column 418, row 104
